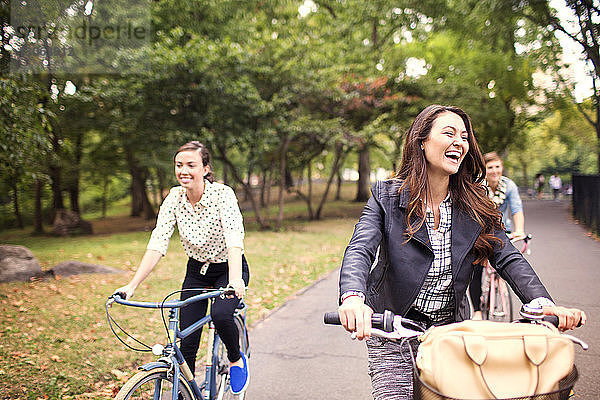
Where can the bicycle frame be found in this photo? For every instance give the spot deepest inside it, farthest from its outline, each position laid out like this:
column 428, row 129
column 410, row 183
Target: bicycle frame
column 172, row 356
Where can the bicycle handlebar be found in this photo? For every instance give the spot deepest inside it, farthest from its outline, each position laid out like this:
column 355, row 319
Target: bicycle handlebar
column 525, row 238
column 118, row 298
column 388, row 322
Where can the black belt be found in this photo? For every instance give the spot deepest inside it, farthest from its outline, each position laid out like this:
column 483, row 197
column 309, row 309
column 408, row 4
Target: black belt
column 418, row 316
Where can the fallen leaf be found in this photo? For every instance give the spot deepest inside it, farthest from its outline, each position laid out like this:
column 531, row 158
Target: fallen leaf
column 56, row 358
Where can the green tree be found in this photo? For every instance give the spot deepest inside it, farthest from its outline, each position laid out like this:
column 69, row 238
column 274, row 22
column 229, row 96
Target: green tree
column 24, row 145
column 584, row 29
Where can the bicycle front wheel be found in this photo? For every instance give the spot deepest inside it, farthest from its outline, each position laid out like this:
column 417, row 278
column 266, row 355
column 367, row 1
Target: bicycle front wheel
column 153, row 384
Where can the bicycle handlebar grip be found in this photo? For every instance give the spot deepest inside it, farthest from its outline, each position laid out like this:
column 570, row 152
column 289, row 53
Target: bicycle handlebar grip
column 332, row 318
column 553, row 319
column 379, row 321
column 383, row 321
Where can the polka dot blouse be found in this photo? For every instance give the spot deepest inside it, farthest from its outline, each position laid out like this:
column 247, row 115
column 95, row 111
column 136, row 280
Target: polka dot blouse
column 207, row 229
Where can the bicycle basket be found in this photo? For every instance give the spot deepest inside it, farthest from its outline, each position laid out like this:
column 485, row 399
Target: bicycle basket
column 422, row 391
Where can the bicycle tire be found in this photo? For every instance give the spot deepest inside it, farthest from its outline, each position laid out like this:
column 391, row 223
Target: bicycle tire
column 222, row 362
column 503, row 310
column 143, row 384
column 485, row 296
column 509, row 301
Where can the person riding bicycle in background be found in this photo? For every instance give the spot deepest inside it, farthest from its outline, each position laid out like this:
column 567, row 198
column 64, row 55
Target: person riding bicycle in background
column 505, row 194
column 211, row 230
column 413, row 249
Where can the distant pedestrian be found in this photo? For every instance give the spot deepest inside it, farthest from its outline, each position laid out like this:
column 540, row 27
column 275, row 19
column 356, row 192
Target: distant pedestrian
column 556, row 185
column 569, row 189
column 539, row 185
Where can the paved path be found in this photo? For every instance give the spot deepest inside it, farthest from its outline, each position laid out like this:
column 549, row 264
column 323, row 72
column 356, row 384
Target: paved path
column 294, row 356
column 568, row 262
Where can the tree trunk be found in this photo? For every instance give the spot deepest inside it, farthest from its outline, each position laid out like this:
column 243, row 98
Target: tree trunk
column 140, row 204
column 57, row 199
column 338, row 190
column 289, row 180
column 75, row 175
column 225, row 174
column 161, row 186
column 364, row 172
column 16, row 204
column 104, row 196
column 38, row 226
column 236, row 176
column 311, row 214
column 263, row 187
column 283, row 173
column 248, row 181
column 268, row 189
column 74, row 198
column 334, row 171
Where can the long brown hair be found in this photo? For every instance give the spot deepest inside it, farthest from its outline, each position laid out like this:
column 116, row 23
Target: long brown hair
column 466, row 188
column 204, row 154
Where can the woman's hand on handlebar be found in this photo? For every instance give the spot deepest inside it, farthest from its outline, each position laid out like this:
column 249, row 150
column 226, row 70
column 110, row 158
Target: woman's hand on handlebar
column 517, row 235
column 355, row 316
column 239, row 286
column 568, row 318
column 127, row 290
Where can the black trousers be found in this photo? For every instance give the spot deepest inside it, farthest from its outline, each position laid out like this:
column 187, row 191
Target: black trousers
column 475, row 287
column 216, row 276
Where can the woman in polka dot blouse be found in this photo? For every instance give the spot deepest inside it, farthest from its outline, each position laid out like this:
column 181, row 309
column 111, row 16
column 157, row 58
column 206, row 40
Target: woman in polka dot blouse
column 211, row 229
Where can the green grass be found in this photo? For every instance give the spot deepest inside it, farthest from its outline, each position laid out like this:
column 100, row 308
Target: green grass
column 54, row 338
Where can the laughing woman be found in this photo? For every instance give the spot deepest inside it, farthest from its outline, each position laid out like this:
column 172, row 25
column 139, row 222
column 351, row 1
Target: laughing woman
column 427, row 228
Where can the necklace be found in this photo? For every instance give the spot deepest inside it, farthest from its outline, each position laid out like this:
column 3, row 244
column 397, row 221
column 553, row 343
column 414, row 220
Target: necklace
column 499, row 195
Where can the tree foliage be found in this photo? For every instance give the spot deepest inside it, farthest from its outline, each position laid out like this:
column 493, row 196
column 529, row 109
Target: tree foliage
column 278, row 90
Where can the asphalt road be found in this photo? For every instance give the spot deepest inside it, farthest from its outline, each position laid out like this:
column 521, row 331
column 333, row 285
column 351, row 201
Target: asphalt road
column 295, row 356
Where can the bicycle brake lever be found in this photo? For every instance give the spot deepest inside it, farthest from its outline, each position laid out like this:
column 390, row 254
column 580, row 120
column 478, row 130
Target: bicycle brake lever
column 405, row 328
column 578, row 341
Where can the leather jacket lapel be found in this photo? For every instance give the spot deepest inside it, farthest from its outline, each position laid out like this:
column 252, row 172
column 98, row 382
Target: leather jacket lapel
column 421, row 235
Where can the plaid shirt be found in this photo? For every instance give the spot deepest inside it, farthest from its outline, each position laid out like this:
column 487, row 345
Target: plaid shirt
column 436, row 298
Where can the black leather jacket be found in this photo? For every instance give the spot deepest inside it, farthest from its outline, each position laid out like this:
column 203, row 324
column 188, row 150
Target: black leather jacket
column 397, row 276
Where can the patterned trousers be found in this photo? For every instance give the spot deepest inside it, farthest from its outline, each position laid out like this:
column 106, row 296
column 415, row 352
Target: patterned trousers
column 390, row 368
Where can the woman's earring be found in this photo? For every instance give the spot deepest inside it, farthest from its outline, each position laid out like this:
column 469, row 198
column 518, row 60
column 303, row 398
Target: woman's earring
column 422, row 148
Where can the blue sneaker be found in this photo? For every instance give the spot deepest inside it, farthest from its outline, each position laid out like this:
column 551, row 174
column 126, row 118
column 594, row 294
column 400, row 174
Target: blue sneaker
column 239, row 377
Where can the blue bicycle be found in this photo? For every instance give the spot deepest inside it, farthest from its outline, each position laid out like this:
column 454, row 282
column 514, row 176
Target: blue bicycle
column 156, row 380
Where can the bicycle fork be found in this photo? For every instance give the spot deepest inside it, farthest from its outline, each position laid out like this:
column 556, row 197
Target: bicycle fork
column 210, row 384
column 179, row 366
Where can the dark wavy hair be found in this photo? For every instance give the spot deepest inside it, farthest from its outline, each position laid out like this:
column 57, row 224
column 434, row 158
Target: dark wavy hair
column 204, row 153
column 466, row 186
